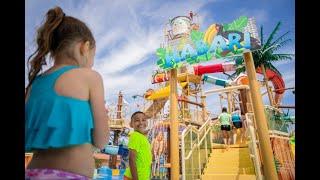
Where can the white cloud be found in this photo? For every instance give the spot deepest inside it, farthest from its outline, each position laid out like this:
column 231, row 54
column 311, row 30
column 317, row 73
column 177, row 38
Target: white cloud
column 108, row 40
column 135, row 82
column 282, row 63
column 131, row 53
column 260, row 15
column 289, row 78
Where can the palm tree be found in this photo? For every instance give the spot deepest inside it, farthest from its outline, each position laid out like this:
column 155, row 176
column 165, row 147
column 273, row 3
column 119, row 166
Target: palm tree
column 264, row 57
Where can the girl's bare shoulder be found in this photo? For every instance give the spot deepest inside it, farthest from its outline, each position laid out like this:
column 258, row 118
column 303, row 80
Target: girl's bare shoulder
column 88, row 74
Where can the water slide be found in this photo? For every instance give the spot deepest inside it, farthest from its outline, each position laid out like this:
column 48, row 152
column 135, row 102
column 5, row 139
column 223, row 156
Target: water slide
column 163, row 92
column 272, row 76
column 216, row 81
column 115, row 150
column 277, row 82
column 160, row 77
column 159, row 97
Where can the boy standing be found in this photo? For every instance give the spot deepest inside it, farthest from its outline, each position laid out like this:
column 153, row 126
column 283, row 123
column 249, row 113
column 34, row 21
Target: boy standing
column 140, row 156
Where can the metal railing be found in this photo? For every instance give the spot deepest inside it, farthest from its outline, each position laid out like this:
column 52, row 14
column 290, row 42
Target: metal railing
column 276, row 119
column 253, row 145
column 113, row 114
column 196, row 145
column 217, row 136
column 193, row 115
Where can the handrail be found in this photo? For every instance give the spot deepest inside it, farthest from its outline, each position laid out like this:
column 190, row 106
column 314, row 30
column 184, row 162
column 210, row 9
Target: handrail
column 254, row 152
column 203, row 131
column 227, row 89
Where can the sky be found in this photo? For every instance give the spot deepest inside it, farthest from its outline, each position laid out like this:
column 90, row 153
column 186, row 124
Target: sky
column 128, row 32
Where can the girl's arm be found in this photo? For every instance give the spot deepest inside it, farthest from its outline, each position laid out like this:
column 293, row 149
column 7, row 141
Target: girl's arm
column 132, row 164
column 101, row 119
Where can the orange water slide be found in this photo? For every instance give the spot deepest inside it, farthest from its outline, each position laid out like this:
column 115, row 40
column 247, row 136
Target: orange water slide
column 277, row 82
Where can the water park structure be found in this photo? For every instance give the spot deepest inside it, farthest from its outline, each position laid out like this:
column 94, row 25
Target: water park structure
column 185, row 135
column 199, row 144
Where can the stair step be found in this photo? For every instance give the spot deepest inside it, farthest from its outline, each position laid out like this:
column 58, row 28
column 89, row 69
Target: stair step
column 228, row 168
column 236, row 164
column 229, row 156
column 227, row 171
column 228, row 177
column 229, row 160
column 230, row 151
column 231, row 172
column 226, row 165
column 223, row 146
column 225, row 154
column 230, row 164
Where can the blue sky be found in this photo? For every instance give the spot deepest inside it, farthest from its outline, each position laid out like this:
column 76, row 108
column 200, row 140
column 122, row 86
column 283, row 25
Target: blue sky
column 129, row 32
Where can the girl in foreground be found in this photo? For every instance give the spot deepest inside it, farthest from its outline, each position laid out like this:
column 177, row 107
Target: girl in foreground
column 64, row 111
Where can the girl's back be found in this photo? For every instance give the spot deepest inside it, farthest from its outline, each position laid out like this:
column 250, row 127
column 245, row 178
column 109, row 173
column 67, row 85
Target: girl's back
column 72, row 87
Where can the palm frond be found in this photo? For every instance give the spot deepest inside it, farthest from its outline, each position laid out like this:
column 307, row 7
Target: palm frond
column 273, row 33
column 270, row 48
column 280, row 57
column 233, row 75
column 238, row 60
column 240, row 70
column 281, row 44
column 261, row 34
column 280, row 38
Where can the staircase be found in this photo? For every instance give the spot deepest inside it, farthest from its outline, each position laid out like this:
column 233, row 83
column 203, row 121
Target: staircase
column 233, row 163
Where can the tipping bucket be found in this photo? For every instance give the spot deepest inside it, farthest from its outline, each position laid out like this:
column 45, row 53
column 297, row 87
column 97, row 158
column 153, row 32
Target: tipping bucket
column 180, row 25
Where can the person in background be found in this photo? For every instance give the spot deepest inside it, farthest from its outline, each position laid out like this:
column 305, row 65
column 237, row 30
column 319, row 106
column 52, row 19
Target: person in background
column 237, row 124
column 140, row 156
column 225, row 121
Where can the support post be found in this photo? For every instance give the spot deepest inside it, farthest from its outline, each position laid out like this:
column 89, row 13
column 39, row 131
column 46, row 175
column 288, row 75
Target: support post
column 174, row 137
column 269, row 168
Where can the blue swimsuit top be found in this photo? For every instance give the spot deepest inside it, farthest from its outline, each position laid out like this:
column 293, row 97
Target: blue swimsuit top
column 55, row 121
column 236, row 117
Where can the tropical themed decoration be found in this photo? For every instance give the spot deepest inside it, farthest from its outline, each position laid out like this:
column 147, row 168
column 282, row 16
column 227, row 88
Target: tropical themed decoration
column 264, row 57
column 216, row 42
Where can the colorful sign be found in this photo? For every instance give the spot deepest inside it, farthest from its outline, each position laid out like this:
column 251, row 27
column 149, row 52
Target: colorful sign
column 218, row 41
